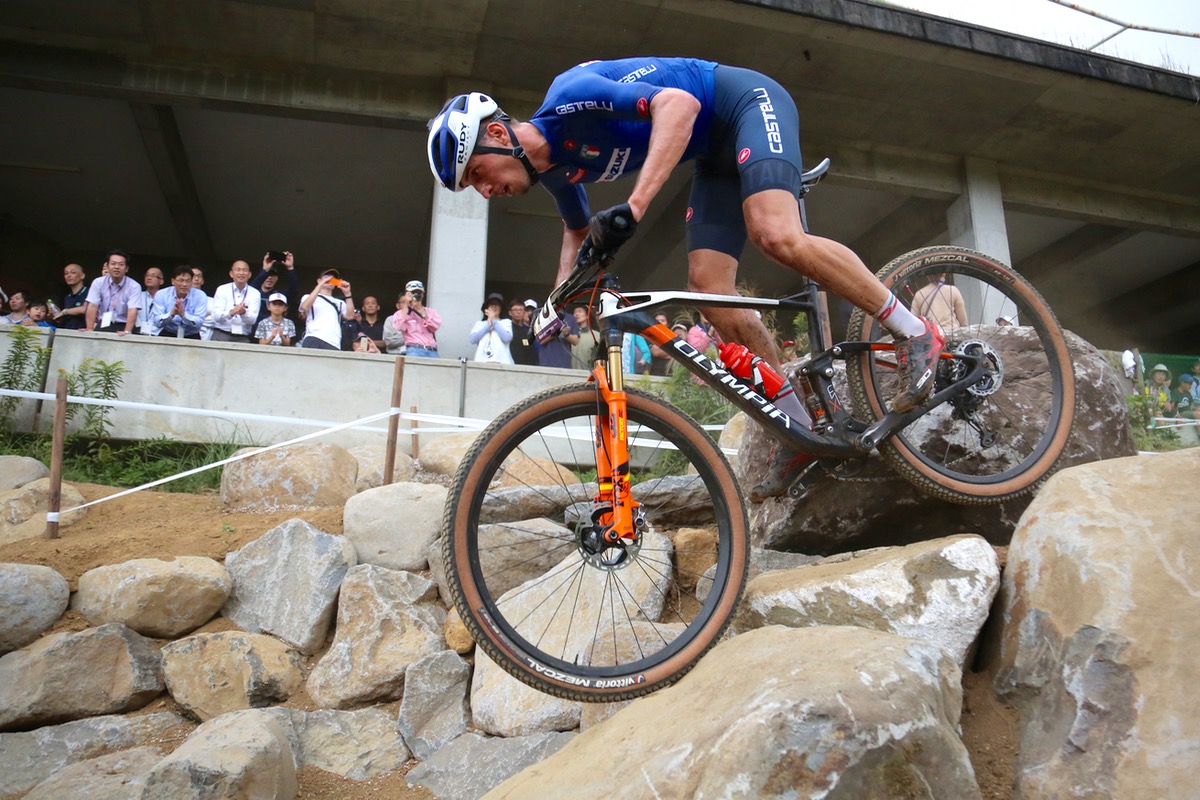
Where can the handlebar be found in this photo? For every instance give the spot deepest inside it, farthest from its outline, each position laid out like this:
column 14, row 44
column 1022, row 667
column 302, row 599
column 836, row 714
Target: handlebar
column 590, row 263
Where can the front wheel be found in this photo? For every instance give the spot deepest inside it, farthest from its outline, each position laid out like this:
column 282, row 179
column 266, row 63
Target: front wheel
column 540, row 597
column 1003, row 436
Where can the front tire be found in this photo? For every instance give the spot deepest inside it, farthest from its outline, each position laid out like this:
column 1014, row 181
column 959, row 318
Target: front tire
column 540, row 601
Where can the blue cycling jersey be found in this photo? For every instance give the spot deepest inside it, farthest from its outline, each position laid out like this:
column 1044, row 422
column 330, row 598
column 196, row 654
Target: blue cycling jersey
column 596, row 118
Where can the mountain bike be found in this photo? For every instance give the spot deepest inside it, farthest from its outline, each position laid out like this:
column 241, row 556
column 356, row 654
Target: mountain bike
column 595, row 539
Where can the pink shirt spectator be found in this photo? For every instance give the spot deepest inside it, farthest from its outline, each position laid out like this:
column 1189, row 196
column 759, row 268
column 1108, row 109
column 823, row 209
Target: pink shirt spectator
column 417, row 332
column 702, row 339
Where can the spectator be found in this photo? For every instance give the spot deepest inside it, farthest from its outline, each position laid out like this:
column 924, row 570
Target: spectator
column 556, row 353
column 371, row 323
column 235, row 306
column 521, row 347
column 940, row 302
column 276, row 328
column 1001, row 322
column 417, row 322
column 74, row 302
column 1181, row 396
column 492, row 334
column 152, row 281
column 38, row 311
column 703, row 336
column 393, row 338
column 19, row 309
column 635, row 354
column 323, row 313
column 206, row 330
column 583, row 348
column 660, row 362
column 1158, row 392
column 179, row 311
column 364, row 344
column 114, row 298
column 1196, row 383
column 277, row 275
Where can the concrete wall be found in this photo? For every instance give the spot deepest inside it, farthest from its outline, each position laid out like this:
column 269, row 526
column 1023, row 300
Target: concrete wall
column 283, row 382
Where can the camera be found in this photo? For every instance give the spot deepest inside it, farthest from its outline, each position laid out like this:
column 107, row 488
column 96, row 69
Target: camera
column 276, row 255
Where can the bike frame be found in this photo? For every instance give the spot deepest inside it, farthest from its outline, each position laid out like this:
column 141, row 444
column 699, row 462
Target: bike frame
column 841, row 437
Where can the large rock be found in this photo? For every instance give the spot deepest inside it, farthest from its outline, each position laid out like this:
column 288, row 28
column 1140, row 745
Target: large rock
column 300, row 476
column 243, row 756
column 491, row 760
column 434, row 710
column 285, row 583
column 358, row 745
column 67, row 676
column 158, row 598
column 878, row 508
column 386, row 621
column 16, row 471
column 441, row 454
column 210, row 674
column 30, row 757
column 939, row 591
column 503, row 706
column 116, row 776
column 32, row 597
column 513, row 503
column 371, row 459
column 23, row 510
column 675, row 500
column 831, row 712
column 393, row 526
column 1101, row 613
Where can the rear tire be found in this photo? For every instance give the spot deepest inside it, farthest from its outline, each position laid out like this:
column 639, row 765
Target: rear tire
column 546, row 608
column 1024, row 406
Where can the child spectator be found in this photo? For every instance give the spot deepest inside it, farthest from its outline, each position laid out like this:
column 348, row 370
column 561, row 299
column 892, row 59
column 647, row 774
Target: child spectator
column 38, row 311
column 363, row 343
column 1158, row 392
column 276, row 329
column 492, row 334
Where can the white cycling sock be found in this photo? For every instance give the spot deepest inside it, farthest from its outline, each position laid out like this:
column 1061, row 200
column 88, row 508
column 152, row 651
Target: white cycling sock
column 897, row 319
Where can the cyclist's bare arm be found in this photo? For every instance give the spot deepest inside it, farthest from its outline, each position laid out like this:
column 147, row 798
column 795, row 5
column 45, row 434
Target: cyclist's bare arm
column 572, row 241
column 672, row 114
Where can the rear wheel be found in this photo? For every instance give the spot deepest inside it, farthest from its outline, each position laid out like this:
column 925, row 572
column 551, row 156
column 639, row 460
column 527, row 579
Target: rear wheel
column 1005, row 435
column 544, row 597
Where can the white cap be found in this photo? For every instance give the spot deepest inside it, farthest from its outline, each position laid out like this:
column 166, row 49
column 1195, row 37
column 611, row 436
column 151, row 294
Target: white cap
column 277, row 296
column 531, row 303
column 414, row 286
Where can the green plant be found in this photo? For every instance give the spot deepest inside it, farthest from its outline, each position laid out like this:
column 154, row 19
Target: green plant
column 22, row 369
column 99, row 380
column 1145, row 437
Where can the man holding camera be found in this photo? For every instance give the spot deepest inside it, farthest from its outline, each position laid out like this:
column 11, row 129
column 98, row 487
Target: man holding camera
column 416, row 321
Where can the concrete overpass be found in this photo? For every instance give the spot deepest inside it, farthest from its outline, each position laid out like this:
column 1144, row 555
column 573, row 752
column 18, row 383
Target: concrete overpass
column 210, row 130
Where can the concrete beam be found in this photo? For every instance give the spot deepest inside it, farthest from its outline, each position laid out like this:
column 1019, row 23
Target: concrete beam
column 328, row 95
column 168, row 159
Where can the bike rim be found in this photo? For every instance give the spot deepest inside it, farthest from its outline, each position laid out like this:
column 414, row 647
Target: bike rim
column 557, row 606
column 1001, row 434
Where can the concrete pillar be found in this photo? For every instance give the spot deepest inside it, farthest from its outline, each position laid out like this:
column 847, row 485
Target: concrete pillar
column 457, row 266
column 976, row 220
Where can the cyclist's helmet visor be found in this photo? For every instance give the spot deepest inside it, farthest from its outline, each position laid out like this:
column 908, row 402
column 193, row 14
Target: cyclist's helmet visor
column 453, row 134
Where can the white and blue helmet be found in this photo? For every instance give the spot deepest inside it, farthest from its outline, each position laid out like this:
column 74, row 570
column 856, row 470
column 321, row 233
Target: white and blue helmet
column 453, row 134
column 454, row 137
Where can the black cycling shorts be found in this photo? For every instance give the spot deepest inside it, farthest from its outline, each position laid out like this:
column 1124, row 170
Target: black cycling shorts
column 754, row 145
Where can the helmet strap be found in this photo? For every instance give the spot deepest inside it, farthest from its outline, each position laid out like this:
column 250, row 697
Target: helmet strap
column 516, row 151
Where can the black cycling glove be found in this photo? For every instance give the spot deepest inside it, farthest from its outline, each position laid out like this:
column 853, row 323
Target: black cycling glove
column 611, row 228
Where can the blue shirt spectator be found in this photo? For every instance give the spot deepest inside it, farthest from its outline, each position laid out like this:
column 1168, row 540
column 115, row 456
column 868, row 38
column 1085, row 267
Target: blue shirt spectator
column 179, row 310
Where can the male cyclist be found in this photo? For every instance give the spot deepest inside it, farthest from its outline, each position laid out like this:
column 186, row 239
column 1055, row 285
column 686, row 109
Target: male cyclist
column 604, row 120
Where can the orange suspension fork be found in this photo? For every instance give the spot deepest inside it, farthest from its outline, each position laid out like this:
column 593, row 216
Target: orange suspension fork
column 612, row 453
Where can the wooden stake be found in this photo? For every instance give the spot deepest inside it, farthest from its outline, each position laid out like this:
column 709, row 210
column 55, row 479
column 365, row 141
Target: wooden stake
column 389, row 459
column 56, row 458
column 412, row 423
